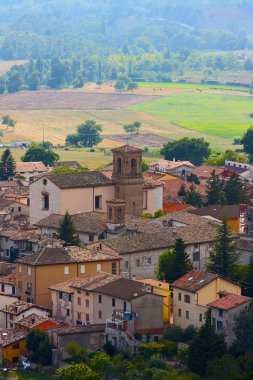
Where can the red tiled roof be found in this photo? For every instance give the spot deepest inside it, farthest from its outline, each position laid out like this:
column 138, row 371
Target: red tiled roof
column 194, row 280
column 172, row 187
column 204, row 171
column 229, row 301
column 173, row 206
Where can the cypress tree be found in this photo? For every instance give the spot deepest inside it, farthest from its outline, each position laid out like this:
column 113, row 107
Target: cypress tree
column 223, row 256
column 215, row 192
column 182, row 191
column 7, row 165
column 193, row 197
column 67, row 231
column 206, row 345
column 182, row 263
column 234, row 191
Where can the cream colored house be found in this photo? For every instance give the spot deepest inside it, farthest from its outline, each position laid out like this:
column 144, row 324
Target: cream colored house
column 94, row 300
column 90, row 191
column 193, row 292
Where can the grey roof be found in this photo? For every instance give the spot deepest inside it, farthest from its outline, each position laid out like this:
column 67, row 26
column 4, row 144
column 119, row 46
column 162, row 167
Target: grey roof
column 218, row 211
column 122, row 288
column 79, row 180
column 162, row 240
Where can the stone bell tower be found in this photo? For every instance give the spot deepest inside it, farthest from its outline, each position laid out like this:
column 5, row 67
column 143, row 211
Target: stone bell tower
column 127, row 175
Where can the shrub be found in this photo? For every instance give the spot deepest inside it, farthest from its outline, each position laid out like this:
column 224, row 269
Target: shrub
column 169, row 348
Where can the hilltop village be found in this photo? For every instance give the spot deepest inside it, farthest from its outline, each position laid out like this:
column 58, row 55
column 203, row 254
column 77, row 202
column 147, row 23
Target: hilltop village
column 116, row 257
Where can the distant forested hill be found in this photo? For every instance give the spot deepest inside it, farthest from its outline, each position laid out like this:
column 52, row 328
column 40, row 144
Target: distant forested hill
column 45, row 28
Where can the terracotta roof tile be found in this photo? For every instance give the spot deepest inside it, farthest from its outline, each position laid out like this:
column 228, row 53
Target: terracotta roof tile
column 9, row 279
column 126, row 149
column 22, row 167
column 194, row 280
column 19, row 307
column 34, row 320
column 50, row 256
column 10, row 336
column 204, row 171
column 122, row 288
column 88, row 283
column 230, row 301
column 171, row 207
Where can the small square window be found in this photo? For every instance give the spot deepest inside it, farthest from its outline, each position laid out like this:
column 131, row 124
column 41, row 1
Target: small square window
column 60, row 295
column 19, row 209
column 19, row 269
column 100, row 314
column 87, row 303
column 66, row 270
column 67, row 312
column 2, row 288
column 138, row 263
column 126, row 264
column 179, row 296
column 179, row 312
column 220, row 313
column 29, row 271
column 200, row 317
column 70, row 298
column 187, row 314
column 187, row 298
column 79, row 301
column 87, row 294
column 98, row 202
column 113, row 302
column 195, row 256
column 99, row 299
column 87, row 317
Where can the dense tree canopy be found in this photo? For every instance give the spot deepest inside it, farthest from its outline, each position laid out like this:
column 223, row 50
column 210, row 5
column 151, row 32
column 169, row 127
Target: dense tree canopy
column 67, row 231
column 247, row 142
column 38, row 153
column 7, row 166
column 88, row 134
column 195, row 150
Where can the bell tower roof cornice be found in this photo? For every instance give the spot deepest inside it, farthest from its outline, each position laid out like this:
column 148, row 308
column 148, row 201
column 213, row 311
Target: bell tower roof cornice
column 127, row 149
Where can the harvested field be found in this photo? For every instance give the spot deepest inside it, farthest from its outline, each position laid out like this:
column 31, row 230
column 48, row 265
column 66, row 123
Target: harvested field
column 141, row 140
column 69, row 100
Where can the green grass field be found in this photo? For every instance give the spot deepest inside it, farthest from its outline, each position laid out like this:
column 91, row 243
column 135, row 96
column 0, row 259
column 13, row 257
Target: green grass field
column 193, row 86
column 219, row 115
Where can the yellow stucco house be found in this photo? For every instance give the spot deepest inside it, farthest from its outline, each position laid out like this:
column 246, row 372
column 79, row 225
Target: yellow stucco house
column 193, row 292
column 162, row 289
column 12, row 346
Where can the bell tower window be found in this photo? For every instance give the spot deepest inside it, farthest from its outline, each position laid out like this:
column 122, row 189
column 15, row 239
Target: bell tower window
column 133, row 166
column 119, row 166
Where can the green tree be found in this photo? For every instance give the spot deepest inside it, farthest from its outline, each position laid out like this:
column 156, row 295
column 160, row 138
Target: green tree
column 243, row 331
column 78, row 372
column 195, row 150
column 205, row 346
column 247, row 142
column 7, row 165
column 235, row 191
column 79, row 354
column 182, row 263
column 193, row 178
column 182, row 191
column 193, row 197
column 2, row 85
column 101, row 363
column 67, row 231
column 132, row 128
column 215, row 190
column 99, row 83
column 38, row 153
column 173, row 263
column 218, row 159
column 132, row 86
column 120, row 85
column 38, row 347
column 60, row 169
column 224, row 258
column 225, row 368
column 88, row 134
column 9, row 121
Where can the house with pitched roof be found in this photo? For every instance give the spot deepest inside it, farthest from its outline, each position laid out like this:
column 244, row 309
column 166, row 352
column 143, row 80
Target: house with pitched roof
column 193, row 292
column 224, row 310
column 139, row 254
column 90, row 191
column 12, row 346
column 37, row 272
column 30, row 170
column 106, row 298
column 12, row 313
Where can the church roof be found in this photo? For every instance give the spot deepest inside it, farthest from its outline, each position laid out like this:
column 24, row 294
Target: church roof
column 127, row 149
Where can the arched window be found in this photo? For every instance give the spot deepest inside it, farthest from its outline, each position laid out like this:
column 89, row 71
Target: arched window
column 119, row 166
column 133, row 165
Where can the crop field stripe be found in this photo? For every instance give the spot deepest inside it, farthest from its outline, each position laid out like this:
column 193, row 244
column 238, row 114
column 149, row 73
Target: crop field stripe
column 220, row 115
column 192, row 86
